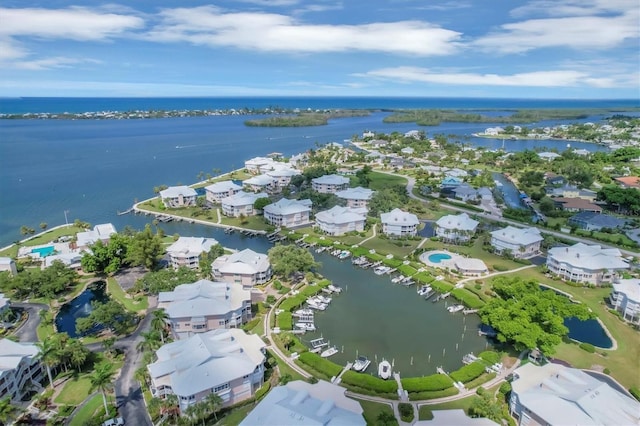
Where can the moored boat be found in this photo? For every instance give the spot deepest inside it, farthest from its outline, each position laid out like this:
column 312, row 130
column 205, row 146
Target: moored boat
column 306, row 326
column 424, row 290
column 455, row 308
column 329, row 351
column 384, row 369
column 361, row 363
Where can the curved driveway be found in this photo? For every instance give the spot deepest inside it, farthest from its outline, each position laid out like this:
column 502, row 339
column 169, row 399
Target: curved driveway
column 27, row 332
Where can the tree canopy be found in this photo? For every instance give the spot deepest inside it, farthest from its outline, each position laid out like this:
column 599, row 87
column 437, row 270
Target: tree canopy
column 527, row 316
column 31, row 283
column 623, row 199
column 165, row 279
column 287, row 259
column 111, row 315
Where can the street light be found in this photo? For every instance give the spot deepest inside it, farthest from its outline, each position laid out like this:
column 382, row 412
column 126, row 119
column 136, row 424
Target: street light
column 65, row 217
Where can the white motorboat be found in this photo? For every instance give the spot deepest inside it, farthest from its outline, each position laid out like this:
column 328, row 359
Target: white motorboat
column 328, row 352
column 361, row 363
column 323, row 299
column 334, row 288
column 397, row 279
column 314, row 304
column 317, row 344
column 344, row 254
column 424, row 290
column 455, row 308
column 303, row 313
column 306, row 326
column 381, row 270
column 384, row 369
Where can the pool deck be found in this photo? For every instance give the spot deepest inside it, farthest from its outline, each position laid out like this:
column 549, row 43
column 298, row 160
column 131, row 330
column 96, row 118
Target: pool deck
column 442, row 263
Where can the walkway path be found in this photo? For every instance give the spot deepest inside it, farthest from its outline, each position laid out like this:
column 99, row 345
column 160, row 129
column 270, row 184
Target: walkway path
column 401, row 393
column 511, row 271
column 346, row 368
column 372, row 236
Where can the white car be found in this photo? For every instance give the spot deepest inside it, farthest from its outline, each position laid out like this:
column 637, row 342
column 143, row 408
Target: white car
column 119, row 421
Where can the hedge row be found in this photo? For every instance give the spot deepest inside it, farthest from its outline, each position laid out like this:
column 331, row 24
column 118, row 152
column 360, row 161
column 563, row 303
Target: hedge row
column 372, row 383
column 285, row 321
column 363, row 391
column 468, row 372
column 423, row 277
column 320, row 364
column 262, row 391
column 490, row 356
column 417, row 396
column 467, row 298
column 441, row 286
column 435, row 382
column 484, row 378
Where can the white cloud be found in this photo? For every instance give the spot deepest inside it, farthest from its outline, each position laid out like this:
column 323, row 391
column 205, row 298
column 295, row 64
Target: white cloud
column 273, row 3
column 574, row 7
column 556, row 78
column 269, row 32
column 51, row 62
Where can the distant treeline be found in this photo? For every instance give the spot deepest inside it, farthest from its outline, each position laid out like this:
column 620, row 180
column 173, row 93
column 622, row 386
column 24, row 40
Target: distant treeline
column 305, row 119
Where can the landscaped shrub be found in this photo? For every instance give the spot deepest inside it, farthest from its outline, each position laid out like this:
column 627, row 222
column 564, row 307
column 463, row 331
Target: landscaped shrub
column 434, row 382
column 406, row 412
column 500, row 268
column 484, row 378
column 372, row 383
column 285, row 321
column 248, row 326
column 418, row 396
column 588, row 347
column 468, row 372
column 490, row 356
column 467, row 298
column 262, row 391
column 320, row 364
column 505, row 388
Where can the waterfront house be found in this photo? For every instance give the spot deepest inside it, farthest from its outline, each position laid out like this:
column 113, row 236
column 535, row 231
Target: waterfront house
column 356, row 197
column 629, row 181
column 625, row 298
column 590, row 264
column 520, row 242
column 549, row 156
column 299, row 160
column 288, row 213
column 594, row 221
column 398, row 223
column 571, row 191
column 329, row 184
column 9, row 265
column 304, row 404
column 219, row 190
column 465, row 192
column 340, row 220
column 261, row 183
column 253, row 165
column 205, row 305
column 241, row 204
column 245, row 267
column 229, row 363
column 20, row 369
column 456, row 228
column 554, row 179
column 178, row 196
column 556, row 395
column 576, row 205
column 283, row 176
column 187, row 251
column 100, row 232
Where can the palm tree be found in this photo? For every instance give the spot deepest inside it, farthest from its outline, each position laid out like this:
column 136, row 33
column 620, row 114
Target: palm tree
column 213, row 402
column 159, row 322
column 151, row 341
column 108, row 344
column 141, row 375
column 6, row 410
column 102, row 380
column 49, row 355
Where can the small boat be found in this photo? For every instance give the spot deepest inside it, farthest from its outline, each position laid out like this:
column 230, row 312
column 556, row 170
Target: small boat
column 397, row 279
column 361, row 363
column 384, row 369
column 306, row 326
column 381, row 270
column 328, row 352
column 334, row 288
column 314, row 304
column 323, row 299
column 455, row 308
column 317, row 344
column 424, row 290
column 302, row 312
column 320, row 249
column 344, row 254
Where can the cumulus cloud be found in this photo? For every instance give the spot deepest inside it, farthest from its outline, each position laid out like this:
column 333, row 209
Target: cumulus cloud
column 574, row 7
column 270, row 32
column 555, row 78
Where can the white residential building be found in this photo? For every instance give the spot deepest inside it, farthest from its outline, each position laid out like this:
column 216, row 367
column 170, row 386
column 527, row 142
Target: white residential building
column 229, row 363
column 356, row 197
column 179, row 196
column 521, row 242
column 625, row 298
column 9, row 265
column 456, row 228
column 584, row 263
column 283, row 175
column 398, row 223
column 340, row 220
column 20, row 369
column 261, row 183
column 556, row 395
column 205, row 305
column 245, row 267
column 219, row 190
column 100, row 232
column 241, row 204
column 329, row 184
column 187, row 251
column 253, row 165
column 304, row 404
column 288, row 213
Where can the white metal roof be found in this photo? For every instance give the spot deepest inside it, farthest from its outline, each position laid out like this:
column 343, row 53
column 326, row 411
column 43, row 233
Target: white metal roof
column 460, row 222
column 630, row 287
column 11, row 353
column 285, row 206
column 590, row 257
column 331, row 180
column 246, row 261
column 242, row 198
column 260, row 180
column 513, row 235
column 398, row 217
column 191, row 246
column 340, row 215
column 203, row 298
column 176, row 191
column 223, row 186
column 358, row 193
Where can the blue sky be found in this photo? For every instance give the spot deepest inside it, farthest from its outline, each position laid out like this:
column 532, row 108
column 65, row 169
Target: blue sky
column 458, row 48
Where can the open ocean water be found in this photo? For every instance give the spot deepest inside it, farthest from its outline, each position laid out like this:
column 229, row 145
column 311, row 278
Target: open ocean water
column 93, row 168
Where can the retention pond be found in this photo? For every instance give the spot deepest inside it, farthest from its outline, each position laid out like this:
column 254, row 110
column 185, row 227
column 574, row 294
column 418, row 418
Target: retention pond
column 80, row 307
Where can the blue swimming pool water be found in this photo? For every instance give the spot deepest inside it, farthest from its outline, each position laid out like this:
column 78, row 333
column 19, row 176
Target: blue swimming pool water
column 438, row 257
column 44, row 251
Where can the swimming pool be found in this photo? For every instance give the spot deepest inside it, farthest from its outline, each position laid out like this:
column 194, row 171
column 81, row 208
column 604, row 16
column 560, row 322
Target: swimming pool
column 438, row 257
column 44, row 251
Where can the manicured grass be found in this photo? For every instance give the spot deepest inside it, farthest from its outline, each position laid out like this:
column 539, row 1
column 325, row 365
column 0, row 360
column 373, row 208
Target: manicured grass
column 388, row 246
column 425, row 411
column 373, row 409
column 235, row 416
column 74, row 391
column 251, row 222
column 114, row 290
column 285, row 369
column 44, row 331
column 47, row 237
column 382, row 180
column 91, row 409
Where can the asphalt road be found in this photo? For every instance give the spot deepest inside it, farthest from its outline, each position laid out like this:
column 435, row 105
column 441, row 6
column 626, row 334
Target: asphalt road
column 27, row 332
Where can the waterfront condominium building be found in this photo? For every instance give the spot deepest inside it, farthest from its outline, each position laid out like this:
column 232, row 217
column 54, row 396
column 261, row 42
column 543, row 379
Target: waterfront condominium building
column 205, row 305
column 521, row 242
column 245, row 267
column 330, row 184
column 556, row 395
column 20, row 369
column 398, row 223
column 229, row 363
column 584, row 263
column 625, row 298
column 456, row 228
column 241, row 204
column 219, row 190
column 356, row 197
column 179, row 196
column 288, row 213
column 261, row 183
column 340, row 220
column 187, row 251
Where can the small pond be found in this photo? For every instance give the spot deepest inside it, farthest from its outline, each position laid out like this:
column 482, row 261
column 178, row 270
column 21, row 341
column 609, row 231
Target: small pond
column 589, row 331
column 80, row 307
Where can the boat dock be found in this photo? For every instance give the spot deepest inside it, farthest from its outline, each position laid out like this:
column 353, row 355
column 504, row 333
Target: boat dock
column 439, row 370
column 469, row 311
column 338, row 379
column 129, row 210
column 402, row 394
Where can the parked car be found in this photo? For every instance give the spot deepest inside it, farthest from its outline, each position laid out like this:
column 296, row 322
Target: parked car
column 117, row 421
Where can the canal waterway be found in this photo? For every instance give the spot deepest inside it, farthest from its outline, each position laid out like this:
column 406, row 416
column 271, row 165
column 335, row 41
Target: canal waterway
column 80, row 307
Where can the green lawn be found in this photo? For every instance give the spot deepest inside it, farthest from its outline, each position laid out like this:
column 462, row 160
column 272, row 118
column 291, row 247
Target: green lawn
column 251, row 222
column 382, row 180
column 390, row 246
column 137, row 304
column 477, row 251
column 373, row 409
column 93, row 408
column 47, row 237
column 285, row 369
column 425, row 411
column 74, row 391
column 235, row 416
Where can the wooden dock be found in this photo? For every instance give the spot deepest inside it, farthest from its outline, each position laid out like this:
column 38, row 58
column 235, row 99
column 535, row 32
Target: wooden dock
column 470, row 311
column 338, row 379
